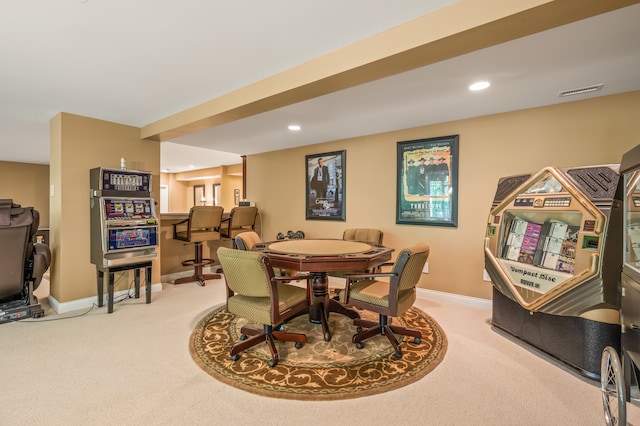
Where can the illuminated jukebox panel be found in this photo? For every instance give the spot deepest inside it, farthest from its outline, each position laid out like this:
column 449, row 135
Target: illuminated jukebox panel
column 553, row 251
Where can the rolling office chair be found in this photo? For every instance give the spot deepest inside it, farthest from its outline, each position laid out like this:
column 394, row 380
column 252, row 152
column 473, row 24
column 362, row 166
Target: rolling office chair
column 22, row 262
column 241, row 219
column 365, row 235
column 387, row 298
column 254, row 293
column 248, row 240
column 203, row 224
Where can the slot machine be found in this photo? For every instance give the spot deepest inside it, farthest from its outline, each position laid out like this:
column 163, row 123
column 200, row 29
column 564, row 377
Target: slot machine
column 124, row 226
column 553, row 251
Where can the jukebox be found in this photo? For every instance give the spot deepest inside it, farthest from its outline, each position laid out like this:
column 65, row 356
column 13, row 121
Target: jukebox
column 553, row 251
column 124, row 227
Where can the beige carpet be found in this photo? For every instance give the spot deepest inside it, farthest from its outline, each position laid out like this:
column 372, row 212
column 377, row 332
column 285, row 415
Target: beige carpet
column 133, row 367
column 319, row 370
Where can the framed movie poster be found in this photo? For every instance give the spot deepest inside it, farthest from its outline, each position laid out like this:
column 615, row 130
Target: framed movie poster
column 325, row 185
column 427, row 187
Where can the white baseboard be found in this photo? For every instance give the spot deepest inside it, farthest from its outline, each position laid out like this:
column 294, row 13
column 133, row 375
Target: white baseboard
column 88, row 302
column 454, row 298
column 335, row 282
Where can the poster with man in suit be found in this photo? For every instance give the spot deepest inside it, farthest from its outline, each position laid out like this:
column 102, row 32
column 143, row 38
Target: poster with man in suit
column 325, row 186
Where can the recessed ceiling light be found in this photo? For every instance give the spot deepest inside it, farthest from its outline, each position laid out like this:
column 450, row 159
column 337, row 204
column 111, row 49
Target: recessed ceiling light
column 294, row 127
column 479, row 85
column 191, row 166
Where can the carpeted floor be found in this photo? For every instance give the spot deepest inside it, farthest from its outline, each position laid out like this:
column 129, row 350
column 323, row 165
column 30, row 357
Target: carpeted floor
column 133, row 367
column 319, row 370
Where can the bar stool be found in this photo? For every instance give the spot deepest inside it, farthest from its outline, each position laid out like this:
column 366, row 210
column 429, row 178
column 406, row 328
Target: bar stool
column 203, row 224
column 241, row 219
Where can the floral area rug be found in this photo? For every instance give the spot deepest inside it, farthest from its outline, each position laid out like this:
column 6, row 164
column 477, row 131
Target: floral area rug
column 319, row 370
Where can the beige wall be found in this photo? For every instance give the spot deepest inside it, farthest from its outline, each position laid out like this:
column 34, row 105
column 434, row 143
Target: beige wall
column 586, row 132
column 27, row 185
column 595, row 131
column 79, row 144
column 181, row 186
column 229, row 184
column 177, row 192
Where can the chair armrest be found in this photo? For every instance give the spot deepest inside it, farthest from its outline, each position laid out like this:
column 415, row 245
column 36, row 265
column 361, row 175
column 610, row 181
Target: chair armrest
column 41, row 262
column 289, row 278
column 225, row 223
column 175, row 227
column 354, row 277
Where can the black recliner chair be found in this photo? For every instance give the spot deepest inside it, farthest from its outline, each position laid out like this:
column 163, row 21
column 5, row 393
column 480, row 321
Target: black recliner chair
column 22, row 262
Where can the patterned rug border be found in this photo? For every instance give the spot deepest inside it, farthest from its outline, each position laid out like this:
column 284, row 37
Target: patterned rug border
column 388, row 363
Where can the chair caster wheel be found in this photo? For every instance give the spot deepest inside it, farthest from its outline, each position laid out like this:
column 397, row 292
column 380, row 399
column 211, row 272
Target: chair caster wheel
column 359, row 345
column 417, row 340
column 298, row 345
column 243, row 337
column 235, row 357
column 280, row 327
column 398, row 355
column 359, row 329
column 271, row 363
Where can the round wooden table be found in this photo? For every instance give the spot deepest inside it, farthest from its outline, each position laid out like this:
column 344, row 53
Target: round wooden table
column 319, row 256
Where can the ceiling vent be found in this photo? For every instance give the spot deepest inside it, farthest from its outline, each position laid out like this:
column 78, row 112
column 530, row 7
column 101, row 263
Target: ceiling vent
column 581, row 90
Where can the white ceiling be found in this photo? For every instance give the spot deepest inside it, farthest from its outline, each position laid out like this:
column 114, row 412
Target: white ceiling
column 135, row 62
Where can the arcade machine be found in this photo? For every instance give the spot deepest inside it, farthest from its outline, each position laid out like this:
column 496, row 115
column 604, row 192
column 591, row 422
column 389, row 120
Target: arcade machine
column 124, row 227
column 553, row 251
column 620, row 373
column 630, row 305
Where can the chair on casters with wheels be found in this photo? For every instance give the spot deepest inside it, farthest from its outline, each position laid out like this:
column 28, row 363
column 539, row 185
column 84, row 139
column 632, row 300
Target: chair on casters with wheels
column 203, row 224
column 387, row 298
column 255, row 293
column 365, row 235
column 247, row 240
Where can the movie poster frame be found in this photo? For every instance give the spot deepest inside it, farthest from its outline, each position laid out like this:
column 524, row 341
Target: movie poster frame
column 335, row 162
column 415, row 202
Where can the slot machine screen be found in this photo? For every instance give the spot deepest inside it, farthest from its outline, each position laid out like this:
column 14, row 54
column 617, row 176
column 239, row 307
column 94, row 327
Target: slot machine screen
column 130, row 238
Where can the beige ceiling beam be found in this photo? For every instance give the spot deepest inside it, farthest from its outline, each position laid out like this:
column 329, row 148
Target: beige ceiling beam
column 463, row 27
